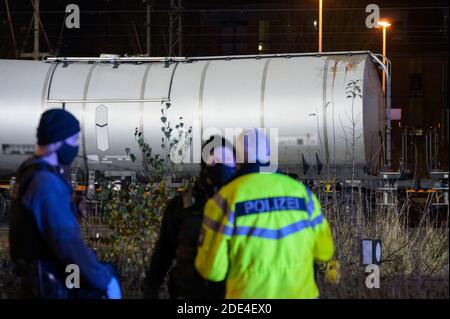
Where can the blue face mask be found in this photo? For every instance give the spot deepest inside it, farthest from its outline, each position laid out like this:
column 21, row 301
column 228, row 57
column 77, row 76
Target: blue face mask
column 66, row 154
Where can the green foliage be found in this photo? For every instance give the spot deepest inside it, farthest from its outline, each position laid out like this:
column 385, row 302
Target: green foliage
column 353, row 89
column 133, row 213
column 174, row 143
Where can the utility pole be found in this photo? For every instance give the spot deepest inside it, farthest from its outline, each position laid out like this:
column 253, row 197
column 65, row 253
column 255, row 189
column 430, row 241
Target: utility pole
column 175, row 29
column 36, row 30
column 36, row 54
column 148, row 27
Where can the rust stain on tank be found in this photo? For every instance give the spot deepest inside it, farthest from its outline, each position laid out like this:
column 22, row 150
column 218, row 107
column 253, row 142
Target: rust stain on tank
column 334, row 71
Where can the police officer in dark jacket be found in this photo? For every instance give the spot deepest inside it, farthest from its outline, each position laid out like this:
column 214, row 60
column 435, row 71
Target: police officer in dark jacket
column 45, row 236
column 177, row 245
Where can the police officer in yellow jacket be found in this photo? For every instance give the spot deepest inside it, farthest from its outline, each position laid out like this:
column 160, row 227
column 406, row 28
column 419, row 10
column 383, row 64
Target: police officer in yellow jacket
column 263, row 231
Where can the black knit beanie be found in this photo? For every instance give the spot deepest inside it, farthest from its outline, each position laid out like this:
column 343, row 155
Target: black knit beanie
column 56, row 125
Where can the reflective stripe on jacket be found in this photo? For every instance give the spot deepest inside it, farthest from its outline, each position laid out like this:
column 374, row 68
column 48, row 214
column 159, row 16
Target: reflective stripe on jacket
column 263, row 232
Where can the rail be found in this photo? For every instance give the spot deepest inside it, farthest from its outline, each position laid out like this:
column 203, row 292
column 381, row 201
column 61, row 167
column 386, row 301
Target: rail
column 117, row 59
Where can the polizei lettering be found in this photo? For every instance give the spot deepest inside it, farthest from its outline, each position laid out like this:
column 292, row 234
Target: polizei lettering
column 194, row 309
column 264, row 205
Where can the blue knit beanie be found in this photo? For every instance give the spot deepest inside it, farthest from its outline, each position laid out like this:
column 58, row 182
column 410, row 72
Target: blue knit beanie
column 56, row 125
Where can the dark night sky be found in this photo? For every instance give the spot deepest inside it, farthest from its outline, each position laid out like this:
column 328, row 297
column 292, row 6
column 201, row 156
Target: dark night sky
column 231, row 27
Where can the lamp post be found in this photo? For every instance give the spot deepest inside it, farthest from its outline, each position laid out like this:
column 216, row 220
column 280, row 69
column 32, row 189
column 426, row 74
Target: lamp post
column 320, row 24
column 384, row 25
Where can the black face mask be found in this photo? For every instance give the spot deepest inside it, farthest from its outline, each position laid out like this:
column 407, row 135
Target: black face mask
column 218, row 175
column 221, row 174
column 66, row 154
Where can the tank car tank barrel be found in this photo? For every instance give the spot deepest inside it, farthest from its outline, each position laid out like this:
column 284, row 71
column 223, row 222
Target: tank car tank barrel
column 298, row 94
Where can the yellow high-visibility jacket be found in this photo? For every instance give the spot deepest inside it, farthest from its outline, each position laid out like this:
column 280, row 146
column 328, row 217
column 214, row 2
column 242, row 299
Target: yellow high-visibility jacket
column 263, row 232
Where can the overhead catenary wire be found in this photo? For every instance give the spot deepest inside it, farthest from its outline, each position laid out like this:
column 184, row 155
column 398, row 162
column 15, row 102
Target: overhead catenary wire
column 344, row 29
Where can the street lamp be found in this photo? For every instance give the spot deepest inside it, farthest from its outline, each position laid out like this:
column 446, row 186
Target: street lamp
column 260, row 47
column 384, row 25
column 320, row 24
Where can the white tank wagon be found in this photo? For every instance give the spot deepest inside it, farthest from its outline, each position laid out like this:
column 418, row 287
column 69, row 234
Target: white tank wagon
column 307, row 97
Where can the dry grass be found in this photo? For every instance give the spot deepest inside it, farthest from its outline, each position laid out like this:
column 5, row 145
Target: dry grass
column 414, row 263
column 414, row 259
